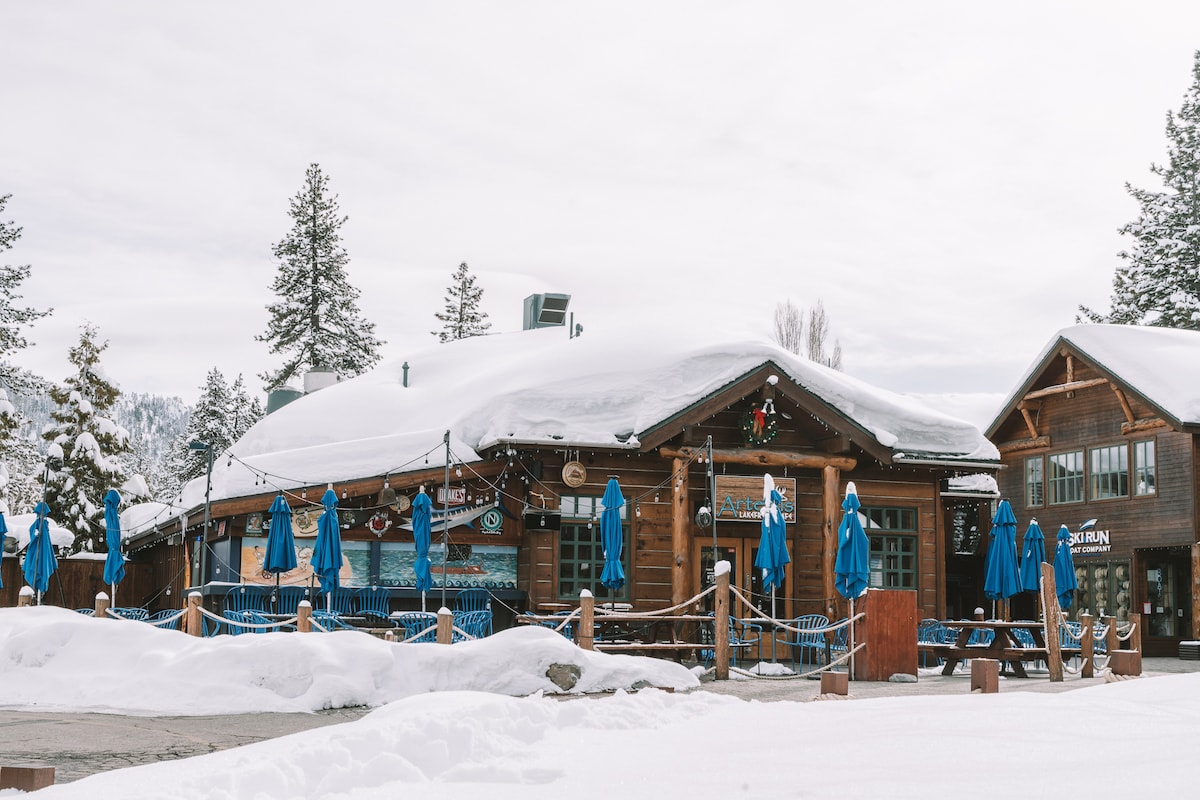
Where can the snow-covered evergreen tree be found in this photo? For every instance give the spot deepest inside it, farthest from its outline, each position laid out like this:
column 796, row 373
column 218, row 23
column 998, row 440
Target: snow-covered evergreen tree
column 222, row 414
column 88, row 443
column 14, row 318
column 461, row 317
column 316, row 321
column 1159, row 283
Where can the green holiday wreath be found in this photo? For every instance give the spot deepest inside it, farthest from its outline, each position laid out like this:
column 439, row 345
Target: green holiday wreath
column 759, row 425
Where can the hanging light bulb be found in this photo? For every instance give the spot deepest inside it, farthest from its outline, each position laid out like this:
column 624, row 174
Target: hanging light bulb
column 343, row 494
column 304, row 494
column 637, row 510
column 458, row 471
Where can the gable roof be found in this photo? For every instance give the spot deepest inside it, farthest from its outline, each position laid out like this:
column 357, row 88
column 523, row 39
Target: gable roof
column 1157, row 364
column 602, row 390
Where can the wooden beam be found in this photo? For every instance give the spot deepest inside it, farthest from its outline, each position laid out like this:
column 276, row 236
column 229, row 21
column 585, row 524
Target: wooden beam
column 1144, row 424
column 830, row 506
column 1033, row 433
column 681, row 539
column 1129, row 418
column 1063, row 388
column 1023, row 444
column 761, row 458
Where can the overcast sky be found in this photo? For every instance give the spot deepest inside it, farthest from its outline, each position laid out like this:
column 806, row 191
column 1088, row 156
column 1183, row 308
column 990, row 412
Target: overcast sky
column 948, row 178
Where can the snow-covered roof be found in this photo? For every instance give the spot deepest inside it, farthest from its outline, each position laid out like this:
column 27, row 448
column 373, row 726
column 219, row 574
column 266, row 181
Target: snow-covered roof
column 1157, row 363
column 19, row 525
column 602, row 390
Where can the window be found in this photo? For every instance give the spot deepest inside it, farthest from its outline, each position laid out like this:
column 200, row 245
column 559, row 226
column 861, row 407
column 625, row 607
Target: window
column 580, row 551
column 1143, row 468
column 1109, row 472
column 1034, row 486
column 893, row 556
column 1065, row 478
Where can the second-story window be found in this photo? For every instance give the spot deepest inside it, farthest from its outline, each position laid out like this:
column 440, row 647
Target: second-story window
column 1109, row 472
column 1065, row 477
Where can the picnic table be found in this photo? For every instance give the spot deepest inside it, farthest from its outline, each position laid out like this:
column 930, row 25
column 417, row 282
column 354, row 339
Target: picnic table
column 996, row 639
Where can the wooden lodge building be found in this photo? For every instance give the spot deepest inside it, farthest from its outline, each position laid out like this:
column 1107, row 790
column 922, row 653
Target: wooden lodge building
column 528, row 427
column 1103, row 436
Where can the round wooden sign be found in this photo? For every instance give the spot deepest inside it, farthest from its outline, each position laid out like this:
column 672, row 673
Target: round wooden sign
column 402, row 503
column 574, row 474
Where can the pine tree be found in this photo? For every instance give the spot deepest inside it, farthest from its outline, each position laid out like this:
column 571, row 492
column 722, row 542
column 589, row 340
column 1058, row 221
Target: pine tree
column 88, row 443
column 222, row 415
column 13, row 318
column 244, row 411
column 1159, row 283
column 461, row 318
column 316, row 321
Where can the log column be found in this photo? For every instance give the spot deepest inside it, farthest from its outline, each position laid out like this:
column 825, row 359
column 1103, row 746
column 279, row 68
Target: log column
column 681, row 529
column 831, row 479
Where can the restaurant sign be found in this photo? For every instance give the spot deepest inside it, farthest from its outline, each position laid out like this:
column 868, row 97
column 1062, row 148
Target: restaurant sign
column 1090, row 542
column 740, row 498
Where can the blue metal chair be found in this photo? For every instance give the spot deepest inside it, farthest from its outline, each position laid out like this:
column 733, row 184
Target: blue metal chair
column 157, row 619
column 839, row 645
column 373, row 604
column 475, row 624
column 87, row 612
column 473, row 600
column 416, row 625
column 139, row 614
column 259, row 618
column 289, row 598
column 236, row 622
column 243, row 597
column 339, row 601
column 330, row 620
column 809, row 644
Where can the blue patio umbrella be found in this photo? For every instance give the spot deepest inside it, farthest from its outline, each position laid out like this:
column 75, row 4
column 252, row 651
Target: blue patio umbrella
column 1033, row 553
column 611, row 535
column 852, row 568
column 114, row 563
column 422, row 508
column 1064, row 570
column 3, row 530
column 772, row 556
column 1001, row 579
column 281, row 542
column 327, row 551
column 40, row 562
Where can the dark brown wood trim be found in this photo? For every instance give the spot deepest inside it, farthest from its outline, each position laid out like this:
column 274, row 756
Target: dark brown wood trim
column 1063, row 388
column 1023, row 444
column 769, row 458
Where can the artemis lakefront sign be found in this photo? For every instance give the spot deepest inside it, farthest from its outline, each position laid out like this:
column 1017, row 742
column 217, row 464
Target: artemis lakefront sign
column 740, row 499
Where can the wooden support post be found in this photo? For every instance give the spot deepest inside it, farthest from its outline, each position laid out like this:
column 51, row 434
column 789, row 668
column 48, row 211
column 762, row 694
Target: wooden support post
column 1135, row 637
column 1086, row 647
column 1195, row 631
column 1112, row 639
column 830, row 512
column 445, row 626
column 304, row 617
column 1054, row 661
column 25, row 596
column 389, row 636
column 681, row 534
column 985, row 675
column 587, row 620
column 102, row 606
column 27, row 779
column 195, row 621
column 721, row 621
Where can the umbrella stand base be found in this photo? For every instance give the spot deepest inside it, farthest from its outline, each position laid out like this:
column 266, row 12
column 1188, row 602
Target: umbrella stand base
column 835, row 683
column 985, row 675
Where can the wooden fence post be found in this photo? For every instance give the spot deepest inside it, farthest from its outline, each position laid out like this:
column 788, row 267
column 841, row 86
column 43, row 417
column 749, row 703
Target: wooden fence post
column 304, row 617
column 25, row 596
column 445, row 625
column 721, row 621
column 587, row 620
column 1135, row 637
column 1111, row 639
column 195, row 622
column 102, row 606
column 1087, row 647
column 1053, row 643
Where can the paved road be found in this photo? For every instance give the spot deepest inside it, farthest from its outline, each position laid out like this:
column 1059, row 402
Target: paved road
column 77, row 745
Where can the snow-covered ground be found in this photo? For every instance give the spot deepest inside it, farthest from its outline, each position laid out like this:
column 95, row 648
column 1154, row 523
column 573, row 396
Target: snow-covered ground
column 474, row 721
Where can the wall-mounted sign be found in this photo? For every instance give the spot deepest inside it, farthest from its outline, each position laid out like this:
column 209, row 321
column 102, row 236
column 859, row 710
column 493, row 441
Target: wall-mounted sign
column 458, row 494
column 574, row 474
column 740, row 499
column 254, row 524
column 492, row 521
column 1084, row 543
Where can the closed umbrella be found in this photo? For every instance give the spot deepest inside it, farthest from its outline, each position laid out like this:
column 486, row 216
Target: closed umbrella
column 281, row 542
column 114, row 563
column 1064, row 570
column 772, row 556
column 40, row 562
column 422, row 509
column 1002, row 579
column 611, row 535
column 852, row 569
column 1033, row 553
column 327, row 551
column 3, row 530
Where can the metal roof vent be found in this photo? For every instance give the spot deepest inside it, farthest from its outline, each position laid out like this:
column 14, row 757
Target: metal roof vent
column 545, row 310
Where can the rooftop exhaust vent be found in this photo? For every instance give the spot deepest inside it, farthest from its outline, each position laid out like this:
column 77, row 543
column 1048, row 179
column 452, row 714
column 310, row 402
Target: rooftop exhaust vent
column 545, row 310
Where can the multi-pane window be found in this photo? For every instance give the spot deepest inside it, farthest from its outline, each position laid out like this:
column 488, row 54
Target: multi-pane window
column 1143, row 467
column 893, row 557
column 581, row 553
column 1109, row 472
column 1065, row 477
column 1034, row 482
